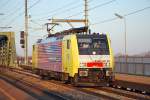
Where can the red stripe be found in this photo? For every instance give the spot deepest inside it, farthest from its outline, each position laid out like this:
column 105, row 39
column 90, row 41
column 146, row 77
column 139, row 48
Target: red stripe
column 92, row 64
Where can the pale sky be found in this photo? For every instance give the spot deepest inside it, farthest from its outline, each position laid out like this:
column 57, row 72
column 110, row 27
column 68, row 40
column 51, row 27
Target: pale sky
column 100, row 14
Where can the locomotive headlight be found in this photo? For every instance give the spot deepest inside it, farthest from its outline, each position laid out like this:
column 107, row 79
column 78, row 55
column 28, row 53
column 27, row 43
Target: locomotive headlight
column 108, row 73
column 83, row 72
column 94, row 53
column 108, row 64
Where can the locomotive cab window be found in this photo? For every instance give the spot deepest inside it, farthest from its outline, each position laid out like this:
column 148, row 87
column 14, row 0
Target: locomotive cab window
column 88, row 44
column 68, row 44
column 100, row 43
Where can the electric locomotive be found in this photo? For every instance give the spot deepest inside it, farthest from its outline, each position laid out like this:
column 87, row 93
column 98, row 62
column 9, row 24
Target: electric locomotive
column 84, row 59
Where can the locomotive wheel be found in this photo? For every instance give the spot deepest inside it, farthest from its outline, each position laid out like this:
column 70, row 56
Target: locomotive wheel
column 74, row 80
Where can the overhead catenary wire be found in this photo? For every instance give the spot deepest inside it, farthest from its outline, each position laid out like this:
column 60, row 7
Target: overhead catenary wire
column 59, row 10
column 20, row 14
column 35, row 22
column 69, row 9
column 41, row 25
column 137, row 11
column 13, row 12
column 72, row 8
column 103, row 21
column 128, row 14
column 7, row 9
column 97, row 6
column 4, row 4
column 103, row 4
column 35, row 3
column 90, row 1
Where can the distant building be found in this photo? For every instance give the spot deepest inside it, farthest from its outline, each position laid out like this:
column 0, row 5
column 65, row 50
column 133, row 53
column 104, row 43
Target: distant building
column 20, row 60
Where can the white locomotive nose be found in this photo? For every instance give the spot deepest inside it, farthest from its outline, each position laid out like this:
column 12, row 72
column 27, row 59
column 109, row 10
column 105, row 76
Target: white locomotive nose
column 93, row 52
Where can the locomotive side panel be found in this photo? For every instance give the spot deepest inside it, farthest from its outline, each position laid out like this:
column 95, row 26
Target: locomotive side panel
column 111, row 53
column 75, row 55
column 50, row 56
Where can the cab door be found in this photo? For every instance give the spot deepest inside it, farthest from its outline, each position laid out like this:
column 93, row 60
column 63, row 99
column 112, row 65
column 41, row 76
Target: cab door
column 67, row 56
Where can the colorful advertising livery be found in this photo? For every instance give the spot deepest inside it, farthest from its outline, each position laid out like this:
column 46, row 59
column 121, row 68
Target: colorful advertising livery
column 75, row 56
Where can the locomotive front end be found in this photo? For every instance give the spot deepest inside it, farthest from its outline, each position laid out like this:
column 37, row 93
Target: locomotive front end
column 95, row 59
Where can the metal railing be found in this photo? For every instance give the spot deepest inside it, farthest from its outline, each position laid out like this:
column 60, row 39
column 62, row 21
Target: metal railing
column 133, row 65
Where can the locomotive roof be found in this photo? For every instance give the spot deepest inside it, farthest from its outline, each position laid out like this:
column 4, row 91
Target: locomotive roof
column 77, row 31
column 80, row 32
column 70, row 31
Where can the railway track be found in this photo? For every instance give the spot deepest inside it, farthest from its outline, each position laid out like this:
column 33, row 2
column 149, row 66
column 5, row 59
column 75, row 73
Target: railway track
column 108, row 92
column 125, row 85
column 36, row 91
column 70, row 92
column 126, row 93
column 63, row 91
column 10, row 92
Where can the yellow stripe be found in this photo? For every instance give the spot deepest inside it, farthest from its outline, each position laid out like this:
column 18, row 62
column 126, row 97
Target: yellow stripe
column 111, row 52
column 5, row 93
